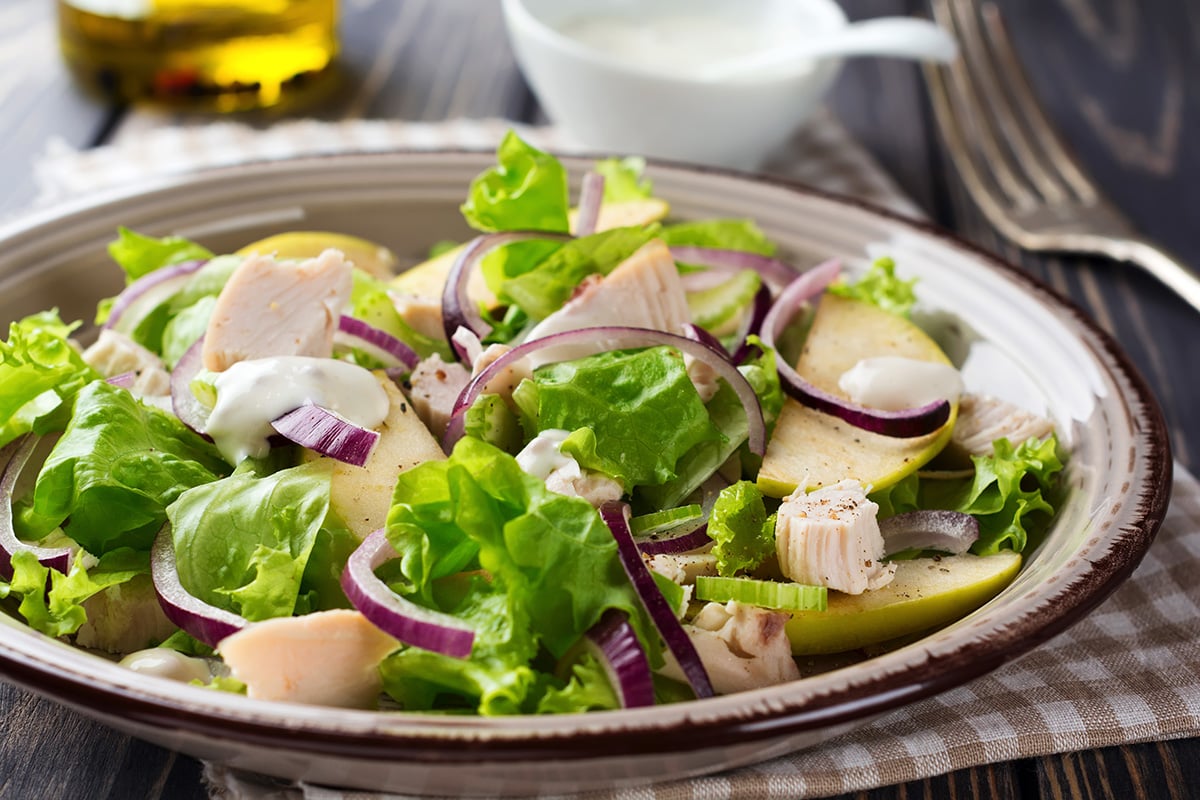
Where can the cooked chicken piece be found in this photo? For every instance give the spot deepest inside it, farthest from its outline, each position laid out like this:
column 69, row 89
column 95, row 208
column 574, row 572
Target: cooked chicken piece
column 683, row 568
column 272, row 308
column 436, row 386
column 422, row 314
column 742, row 647
column 831, row 538
column 542, row 459
column 644, row 291
column 507, row 380
column 330, row 658
column 982, row 420
column 115, row 353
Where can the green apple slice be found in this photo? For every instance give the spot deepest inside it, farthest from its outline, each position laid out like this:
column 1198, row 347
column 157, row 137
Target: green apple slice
column 361, row 496
column 626, row 213
column 374, row 259
column 816, row 449
column 926, row 593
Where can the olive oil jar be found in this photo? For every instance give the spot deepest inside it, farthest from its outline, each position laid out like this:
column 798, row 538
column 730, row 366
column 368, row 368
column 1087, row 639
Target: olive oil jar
column 215, row 55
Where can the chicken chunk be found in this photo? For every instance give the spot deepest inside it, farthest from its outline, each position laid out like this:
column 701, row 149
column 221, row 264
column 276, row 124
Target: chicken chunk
column 742, row 647
column 278, row 308
column 436, row 386
column 644, row 291
column 831, row 538
column 982, row 420
column 330, row 658
column 683, row 568
column 422, row 314
column 115, row 353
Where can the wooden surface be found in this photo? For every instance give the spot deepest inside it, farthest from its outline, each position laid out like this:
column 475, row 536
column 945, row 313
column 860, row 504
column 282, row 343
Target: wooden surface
column 1114, row 75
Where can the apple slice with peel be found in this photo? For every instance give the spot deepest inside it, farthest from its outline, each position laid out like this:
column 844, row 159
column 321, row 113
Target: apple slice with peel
column 626, row 213
column 374, row 259
column 926, row 593
column 817, row 449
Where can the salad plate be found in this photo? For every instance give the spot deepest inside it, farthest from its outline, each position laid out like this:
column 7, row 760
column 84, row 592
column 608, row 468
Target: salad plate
column 1011, row 337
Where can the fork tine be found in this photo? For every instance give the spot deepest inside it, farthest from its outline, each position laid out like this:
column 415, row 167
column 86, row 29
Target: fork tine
column 987, row 72
column 972, row 111
column 1051, row 148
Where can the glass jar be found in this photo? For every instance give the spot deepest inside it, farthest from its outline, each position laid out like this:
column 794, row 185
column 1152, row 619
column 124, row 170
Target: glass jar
column 222, row 55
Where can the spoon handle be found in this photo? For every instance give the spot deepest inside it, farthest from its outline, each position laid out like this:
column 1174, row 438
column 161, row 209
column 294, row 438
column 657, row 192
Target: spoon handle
column 896, row 37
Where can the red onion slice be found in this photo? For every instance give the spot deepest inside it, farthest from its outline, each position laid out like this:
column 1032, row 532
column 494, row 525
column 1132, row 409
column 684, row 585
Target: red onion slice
column 147, row 292
column 15, row 455
column 191, row 412
column 616, row 516
column 613, row 641
column 774, row 272
column 382, row 345
column 410, row 623
column 683, row 539
column 698, row 334
column 318, row 428
column 905, row 423
column 929, row 529
column 124, row 380
column 752, row 324
column 591, row 196
column 606, row 338
column 458, row 310
column 205, row 622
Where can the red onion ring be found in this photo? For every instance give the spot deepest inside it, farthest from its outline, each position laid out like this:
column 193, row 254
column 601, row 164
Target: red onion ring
column 457, row 308
column 774, row 272
column 150, row 290
column 400, row 618
column 319, row 429
column 15, row 455
column 929, row 529
column 605, row 338
column 381, row 344
column 613, row 641
column 591, row 196
column 191, row 412
column 616, row 516
column 205, row 622
column 905, row 423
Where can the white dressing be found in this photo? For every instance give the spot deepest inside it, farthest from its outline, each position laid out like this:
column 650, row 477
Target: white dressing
column 892, row 383
column 541, row 456
column 252, row 393
column 680, row 43
column 162, row 662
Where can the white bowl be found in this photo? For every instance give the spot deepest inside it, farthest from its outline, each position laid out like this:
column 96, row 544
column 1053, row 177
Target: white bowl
column 616, row 106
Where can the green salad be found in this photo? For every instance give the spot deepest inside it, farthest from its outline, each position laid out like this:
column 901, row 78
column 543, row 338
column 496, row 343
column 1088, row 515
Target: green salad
column 595, row 457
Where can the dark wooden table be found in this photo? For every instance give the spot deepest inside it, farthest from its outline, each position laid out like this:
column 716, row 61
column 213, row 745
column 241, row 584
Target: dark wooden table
column 1114, row 75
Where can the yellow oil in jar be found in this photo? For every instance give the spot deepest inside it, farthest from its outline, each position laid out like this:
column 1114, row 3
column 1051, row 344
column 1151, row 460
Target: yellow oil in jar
column 223, row 55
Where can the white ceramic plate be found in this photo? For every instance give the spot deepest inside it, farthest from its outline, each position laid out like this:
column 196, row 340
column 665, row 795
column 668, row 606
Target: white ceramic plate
column 1027, row 344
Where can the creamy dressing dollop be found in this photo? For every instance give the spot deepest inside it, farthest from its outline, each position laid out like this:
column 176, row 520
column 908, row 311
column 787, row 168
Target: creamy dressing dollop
column 162, row 662
column 892, row 383
column 252, row 393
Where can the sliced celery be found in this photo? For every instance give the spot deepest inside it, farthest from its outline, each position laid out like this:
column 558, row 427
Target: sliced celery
column 768, row 594
column 664, row 520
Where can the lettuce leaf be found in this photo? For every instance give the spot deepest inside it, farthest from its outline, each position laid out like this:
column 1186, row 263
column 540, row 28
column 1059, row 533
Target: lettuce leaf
column 526, row 190
column 114, row 471
column 541, row 569
column 1012, row 493
column 743, row 534
column 541, row 288
column 60, row 611
column 623, row 179
column 140, row 255
column 726, row 234
column 632, row 413
column 245, row 543
column 881, row 287
column 40, row 374
column 588, row 689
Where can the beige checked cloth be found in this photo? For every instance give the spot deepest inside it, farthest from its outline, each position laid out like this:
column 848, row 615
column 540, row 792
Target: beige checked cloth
column 1129, row 672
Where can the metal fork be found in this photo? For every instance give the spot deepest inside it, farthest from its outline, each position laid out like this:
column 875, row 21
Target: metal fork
column 1014, row 165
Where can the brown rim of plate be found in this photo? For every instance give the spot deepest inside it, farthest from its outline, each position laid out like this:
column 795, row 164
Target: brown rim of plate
column 864, row 698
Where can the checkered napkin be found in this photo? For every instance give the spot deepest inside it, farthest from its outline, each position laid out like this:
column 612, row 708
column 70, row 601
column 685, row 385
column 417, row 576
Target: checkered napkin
column 1129, row 672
